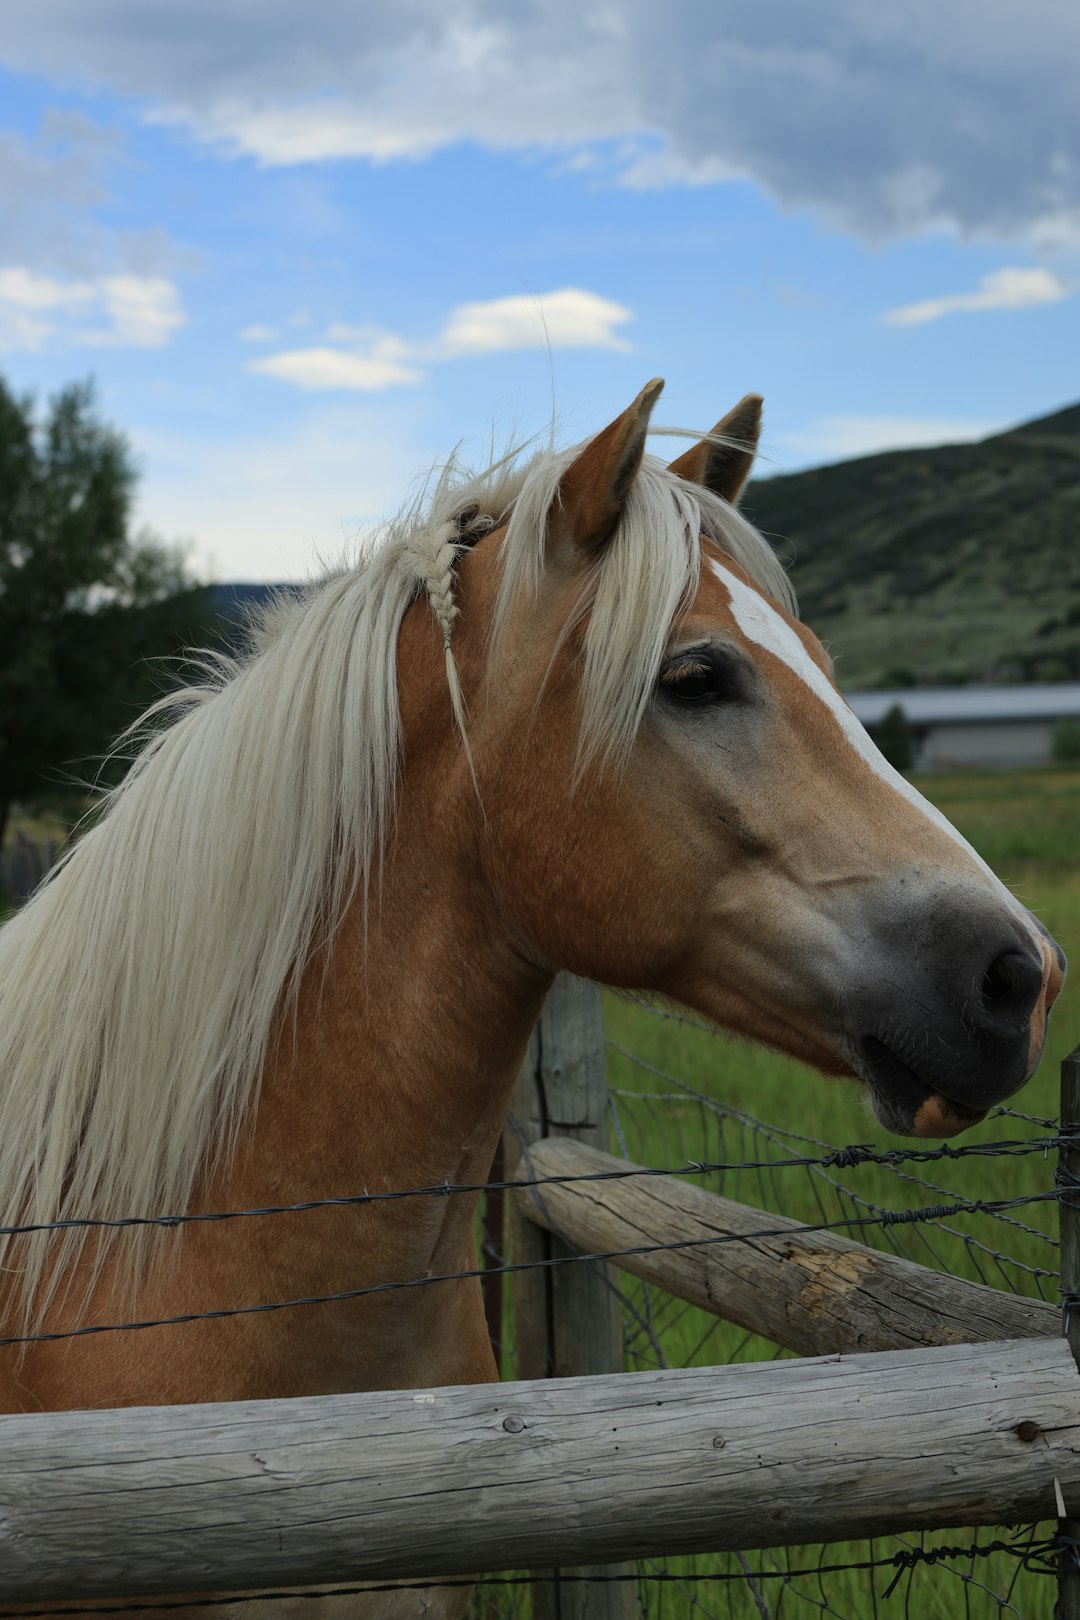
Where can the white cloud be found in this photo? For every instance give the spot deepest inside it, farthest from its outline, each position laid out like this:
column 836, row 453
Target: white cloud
column 268, row 505
column 20, row 330
column 34, row 294
column 887, row 119
column 659, row 168
column 374, row 360
column 317, row 131
column 49, row 187
column 1000, row 289
column 336, row 368
column 30, row 303
column 258, row 334
column 58, row 263
column 30, row 290
column 837, row 437
column 142, row 312
column 568, row 319
column 145, row 312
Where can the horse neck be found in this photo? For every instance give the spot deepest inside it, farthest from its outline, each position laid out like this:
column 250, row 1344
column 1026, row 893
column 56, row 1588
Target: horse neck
column 396, row 1068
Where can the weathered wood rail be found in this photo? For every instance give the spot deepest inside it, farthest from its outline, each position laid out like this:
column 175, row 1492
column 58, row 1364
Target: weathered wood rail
column 567, row 1319
column 814, row 1292
column 443, row 1482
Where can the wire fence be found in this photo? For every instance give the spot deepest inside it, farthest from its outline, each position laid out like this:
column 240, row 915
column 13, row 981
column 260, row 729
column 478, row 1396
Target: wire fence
column 1026, row 1551
column 929, row 1205
column 864, row 1214
column 769, row 1585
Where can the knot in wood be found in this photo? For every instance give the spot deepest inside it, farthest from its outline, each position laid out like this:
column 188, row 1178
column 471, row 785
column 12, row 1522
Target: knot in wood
column 718, row 1442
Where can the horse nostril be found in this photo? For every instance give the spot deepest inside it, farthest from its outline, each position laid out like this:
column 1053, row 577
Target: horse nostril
column 1011, row 984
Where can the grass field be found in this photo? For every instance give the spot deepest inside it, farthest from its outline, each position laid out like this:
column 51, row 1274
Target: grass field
column 1027, row 826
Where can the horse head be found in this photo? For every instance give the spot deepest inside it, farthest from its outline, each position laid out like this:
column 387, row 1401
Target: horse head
column 678, row 800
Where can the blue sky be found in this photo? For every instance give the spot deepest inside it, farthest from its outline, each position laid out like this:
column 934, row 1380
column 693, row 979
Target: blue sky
column 307, row 254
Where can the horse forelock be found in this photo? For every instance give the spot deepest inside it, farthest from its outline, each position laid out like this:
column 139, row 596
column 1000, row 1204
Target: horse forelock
column 646, row 573
column 141, row 988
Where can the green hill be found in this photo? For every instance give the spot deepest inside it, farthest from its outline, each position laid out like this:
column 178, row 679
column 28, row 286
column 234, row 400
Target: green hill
column 940, row 566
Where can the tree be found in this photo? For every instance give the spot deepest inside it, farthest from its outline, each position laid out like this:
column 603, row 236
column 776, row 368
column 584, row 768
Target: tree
column 83, row 603
column 1066, row 742
column 893, row 737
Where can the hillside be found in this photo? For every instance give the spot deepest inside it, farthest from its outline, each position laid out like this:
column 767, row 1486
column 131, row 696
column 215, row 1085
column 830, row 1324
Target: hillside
column 940, row 566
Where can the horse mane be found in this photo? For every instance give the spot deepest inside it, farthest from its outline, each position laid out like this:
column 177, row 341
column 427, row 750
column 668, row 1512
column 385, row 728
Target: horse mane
column 140, row 988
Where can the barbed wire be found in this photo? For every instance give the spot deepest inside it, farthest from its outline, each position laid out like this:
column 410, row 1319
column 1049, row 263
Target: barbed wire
column 900, row 1217
column 1039, row 1557
column 845, row 1158
column 782, row 1137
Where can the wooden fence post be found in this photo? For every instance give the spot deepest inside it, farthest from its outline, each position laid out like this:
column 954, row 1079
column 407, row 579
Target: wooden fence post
column 1068, row 1600
column 566, row 1318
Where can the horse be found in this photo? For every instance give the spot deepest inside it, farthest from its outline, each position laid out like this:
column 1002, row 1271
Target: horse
column 561, row 717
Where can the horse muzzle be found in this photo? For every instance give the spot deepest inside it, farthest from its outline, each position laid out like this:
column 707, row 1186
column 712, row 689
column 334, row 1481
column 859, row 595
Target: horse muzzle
column 958, row 1024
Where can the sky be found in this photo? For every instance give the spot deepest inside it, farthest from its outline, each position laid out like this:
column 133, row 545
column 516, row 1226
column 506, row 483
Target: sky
column 306, row 251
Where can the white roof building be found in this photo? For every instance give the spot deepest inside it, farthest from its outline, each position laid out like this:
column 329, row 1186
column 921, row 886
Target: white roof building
column 976, row 725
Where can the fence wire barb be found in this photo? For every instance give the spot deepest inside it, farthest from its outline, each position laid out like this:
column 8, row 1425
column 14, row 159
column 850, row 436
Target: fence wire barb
column 840, row 1158
column 1037, row 1557
column 885, row 1219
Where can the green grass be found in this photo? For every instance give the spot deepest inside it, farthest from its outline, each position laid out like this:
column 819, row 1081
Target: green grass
column 1026, row 824
column 1028, row 827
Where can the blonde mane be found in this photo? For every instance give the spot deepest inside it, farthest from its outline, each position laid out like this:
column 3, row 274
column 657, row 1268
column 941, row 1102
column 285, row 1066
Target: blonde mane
column 140, row 987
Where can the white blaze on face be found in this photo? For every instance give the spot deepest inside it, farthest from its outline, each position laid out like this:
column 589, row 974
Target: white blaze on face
column 762, row 625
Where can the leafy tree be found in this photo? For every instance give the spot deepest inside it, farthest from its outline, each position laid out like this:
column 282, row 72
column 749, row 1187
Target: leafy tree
column 83, row 603
column 900, row 675
column 893, row 737
column 1066, row 746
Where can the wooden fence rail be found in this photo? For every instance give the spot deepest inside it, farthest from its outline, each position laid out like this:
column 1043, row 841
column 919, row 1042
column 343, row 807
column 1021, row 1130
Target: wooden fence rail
column 444, row 1482
column 815, row 1292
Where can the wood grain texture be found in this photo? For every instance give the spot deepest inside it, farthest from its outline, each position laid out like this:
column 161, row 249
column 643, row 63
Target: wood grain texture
column 566, row 1318
column 814, row 1292
column 410, row 1484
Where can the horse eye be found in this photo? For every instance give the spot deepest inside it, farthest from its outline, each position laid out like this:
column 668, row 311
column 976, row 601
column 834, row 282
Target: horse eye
column 698, row 681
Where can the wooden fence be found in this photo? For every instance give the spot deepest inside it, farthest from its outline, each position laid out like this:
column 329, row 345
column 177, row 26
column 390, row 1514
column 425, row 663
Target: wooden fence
column 924, row 1402
column 442, row 1482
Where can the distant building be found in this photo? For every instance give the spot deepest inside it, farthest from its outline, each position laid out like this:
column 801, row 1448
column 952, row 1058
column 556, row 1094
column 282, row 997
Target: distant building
column 995, row 726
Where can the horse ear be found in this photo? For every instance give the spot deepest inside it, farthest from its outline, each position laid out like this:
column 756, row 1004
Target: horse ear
column 724, row 468
column 593, row 489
